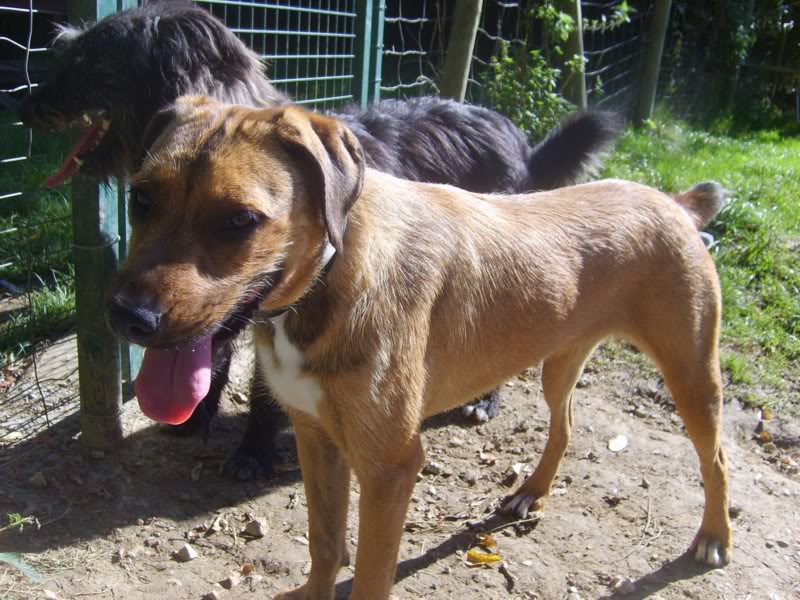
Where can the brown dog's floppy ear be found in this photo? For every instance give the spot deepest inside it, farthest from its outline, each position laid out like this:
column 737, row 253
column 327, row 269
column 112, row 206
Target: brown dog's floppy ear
column 156, row 127
column 334, row 158
column 183, row 106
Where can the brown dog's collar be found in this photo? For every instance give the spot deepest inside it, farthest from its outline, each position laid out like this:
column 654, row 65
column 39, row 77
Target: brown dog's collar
column 327, row 262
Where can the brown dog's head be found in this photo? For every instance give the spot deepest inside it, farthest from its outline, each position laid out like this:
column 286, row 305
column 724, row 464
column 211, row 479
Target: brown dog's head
column 231, row 210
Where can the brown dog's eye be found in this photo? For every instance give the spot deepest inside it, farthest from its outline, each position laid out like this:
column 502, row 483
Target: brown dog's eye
column 240, row 224
column 139, row 202
column 243, row 219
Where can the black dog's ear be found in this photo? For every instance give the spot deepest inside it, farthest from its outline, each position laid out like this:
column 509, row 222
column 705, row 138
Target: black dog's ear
column 333, row 157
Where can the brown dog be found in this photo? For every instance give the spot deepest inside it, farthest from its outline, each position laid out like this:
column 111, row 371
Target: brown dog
column 237, row 207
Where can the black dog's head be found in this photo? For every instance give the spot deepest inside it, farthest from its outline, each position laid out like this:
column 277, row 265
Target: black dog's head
column 111, row 78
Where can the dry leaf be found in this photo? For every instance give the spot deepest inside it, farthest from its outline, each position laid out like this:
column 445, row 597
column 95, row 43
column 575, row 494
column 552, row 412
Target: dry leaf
column 487, row 540
column 765, row 436
column 476, row 556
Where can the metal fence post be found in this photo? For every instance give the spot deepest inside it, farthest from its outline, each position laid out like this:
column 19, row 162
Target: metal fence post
column 131, row 355
column 651, row 62
column 376, row 61
column 466, row 16
column 575, row 84
column 95, row 222
column 363, row 47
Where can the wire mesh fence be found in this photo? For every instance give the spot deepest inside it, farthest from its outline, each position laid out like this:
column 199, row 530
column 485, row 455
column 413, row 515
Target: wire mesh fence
column 414, row 47
column 613, row 51
column 310, row 51
column 36, row 291
column 415, row 44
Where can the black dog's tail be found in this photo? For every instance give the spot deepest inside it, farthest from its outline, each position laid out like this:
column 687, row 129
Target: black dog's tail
column 572, row 150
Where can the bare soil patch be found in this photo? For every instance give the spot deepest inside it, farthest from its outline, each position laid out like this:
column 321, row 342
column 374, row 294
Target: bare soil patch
column 110, row 524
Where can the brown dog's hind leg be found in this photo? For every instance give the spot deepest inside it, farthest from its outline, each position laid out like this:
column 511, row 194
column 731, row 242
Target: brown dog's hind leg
column 697, row 392
column 559, row 375
column 326, row 477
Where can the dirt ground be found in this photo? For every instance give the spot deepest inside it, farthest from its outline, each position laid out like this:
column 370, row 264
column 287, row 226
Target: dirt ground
column 111, row 523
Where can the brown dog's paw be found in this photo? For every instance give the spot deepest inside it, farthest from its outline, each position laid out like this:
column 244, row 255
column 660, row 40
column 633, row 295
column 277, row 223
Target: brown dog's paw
column 524, row 505
column 710, row 550
column 295, row 594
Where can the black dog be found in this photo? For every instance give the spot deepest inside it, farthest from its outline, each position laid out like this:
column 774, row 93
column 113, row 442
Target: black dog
column 113, row 77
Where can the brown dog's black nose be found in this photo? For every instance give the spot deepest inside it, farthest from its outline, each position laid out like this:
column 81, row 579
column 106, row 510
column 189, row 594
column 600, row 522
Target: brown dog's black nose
column 132, row 319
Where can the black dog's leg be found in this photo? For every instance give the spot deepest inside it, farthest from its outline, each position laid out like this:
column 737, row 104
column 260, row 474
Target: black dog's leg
column 201, row 418
column 257, row 455
column 485, row 408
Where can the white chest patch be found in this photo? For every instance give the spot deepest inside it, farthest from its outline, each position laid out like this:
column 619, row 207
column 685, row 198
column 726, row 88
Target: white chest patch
column 282, row 366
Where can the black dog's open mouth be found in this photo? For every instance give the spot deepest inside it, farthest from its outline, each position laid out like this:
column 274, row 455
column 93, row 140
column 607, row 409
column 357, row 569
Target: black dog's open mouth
column 94, row 125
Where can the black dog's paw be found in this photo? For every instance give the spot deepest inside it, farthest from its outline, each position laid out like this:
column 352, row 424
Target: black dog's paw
column 248, row 464
column 198, row 423
column 487, row 407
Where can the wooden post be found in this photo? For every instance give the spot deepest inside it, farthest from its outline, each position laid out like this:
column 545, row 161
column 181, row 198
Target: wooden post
column 574, row 88
column 651, row 62
column 95, row 227
column 466, row 16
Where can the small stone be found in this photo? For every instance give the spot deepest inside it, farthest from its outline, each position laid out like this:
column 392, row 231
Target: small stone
column 50, row 595
column 98, row 454
column 232, row 581
column 617, row 443
column 211, row 596
column 645, row 484
column 239, row 398
column 433, row 468
column 456, row 442
column 175, row 582
column 770, row 544
column 734, row 511
column 584, row 382
column 257, row 528
column 512, row 474
column 431, row 491
column 624, row 586
column 152, row 542
column 527, row 563
column 186, row 553
column 568, row 479
column 640, row 412
column 447, row 571
column 255, row 579
column 782, row 543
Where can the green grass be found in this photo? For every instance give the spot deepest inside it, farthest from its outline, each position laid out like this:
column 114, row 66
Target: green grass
column 758, row 236
column 35, row 243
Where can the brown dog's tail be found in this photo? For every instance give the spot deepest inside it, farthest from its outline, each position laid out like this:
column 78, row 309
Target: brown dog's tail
column 703, row 202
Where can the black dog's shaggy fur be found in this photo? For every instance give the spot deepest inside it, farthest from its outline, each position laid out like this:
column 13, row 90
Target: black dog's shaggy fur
column 130, row 65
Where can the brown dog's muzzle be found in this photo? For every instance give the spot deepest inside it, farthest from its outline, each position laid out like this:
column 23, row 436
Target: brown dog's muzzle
column 133, row 318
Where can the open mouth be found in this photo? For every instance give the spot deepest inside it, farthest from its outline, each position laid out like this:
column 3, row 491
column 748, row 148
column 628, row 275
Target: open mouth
column 172, row 382
column 95, row 126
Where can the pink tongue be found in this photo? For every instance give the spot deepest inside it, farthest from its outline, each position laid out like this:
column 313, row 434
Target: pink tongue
column 171, row 383
column 71, row 166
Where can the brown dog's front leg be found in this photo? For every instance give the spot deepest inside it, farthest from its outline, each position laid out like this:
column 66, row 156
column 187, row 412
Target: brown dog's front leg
column 385, row 493
column 326, row 477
